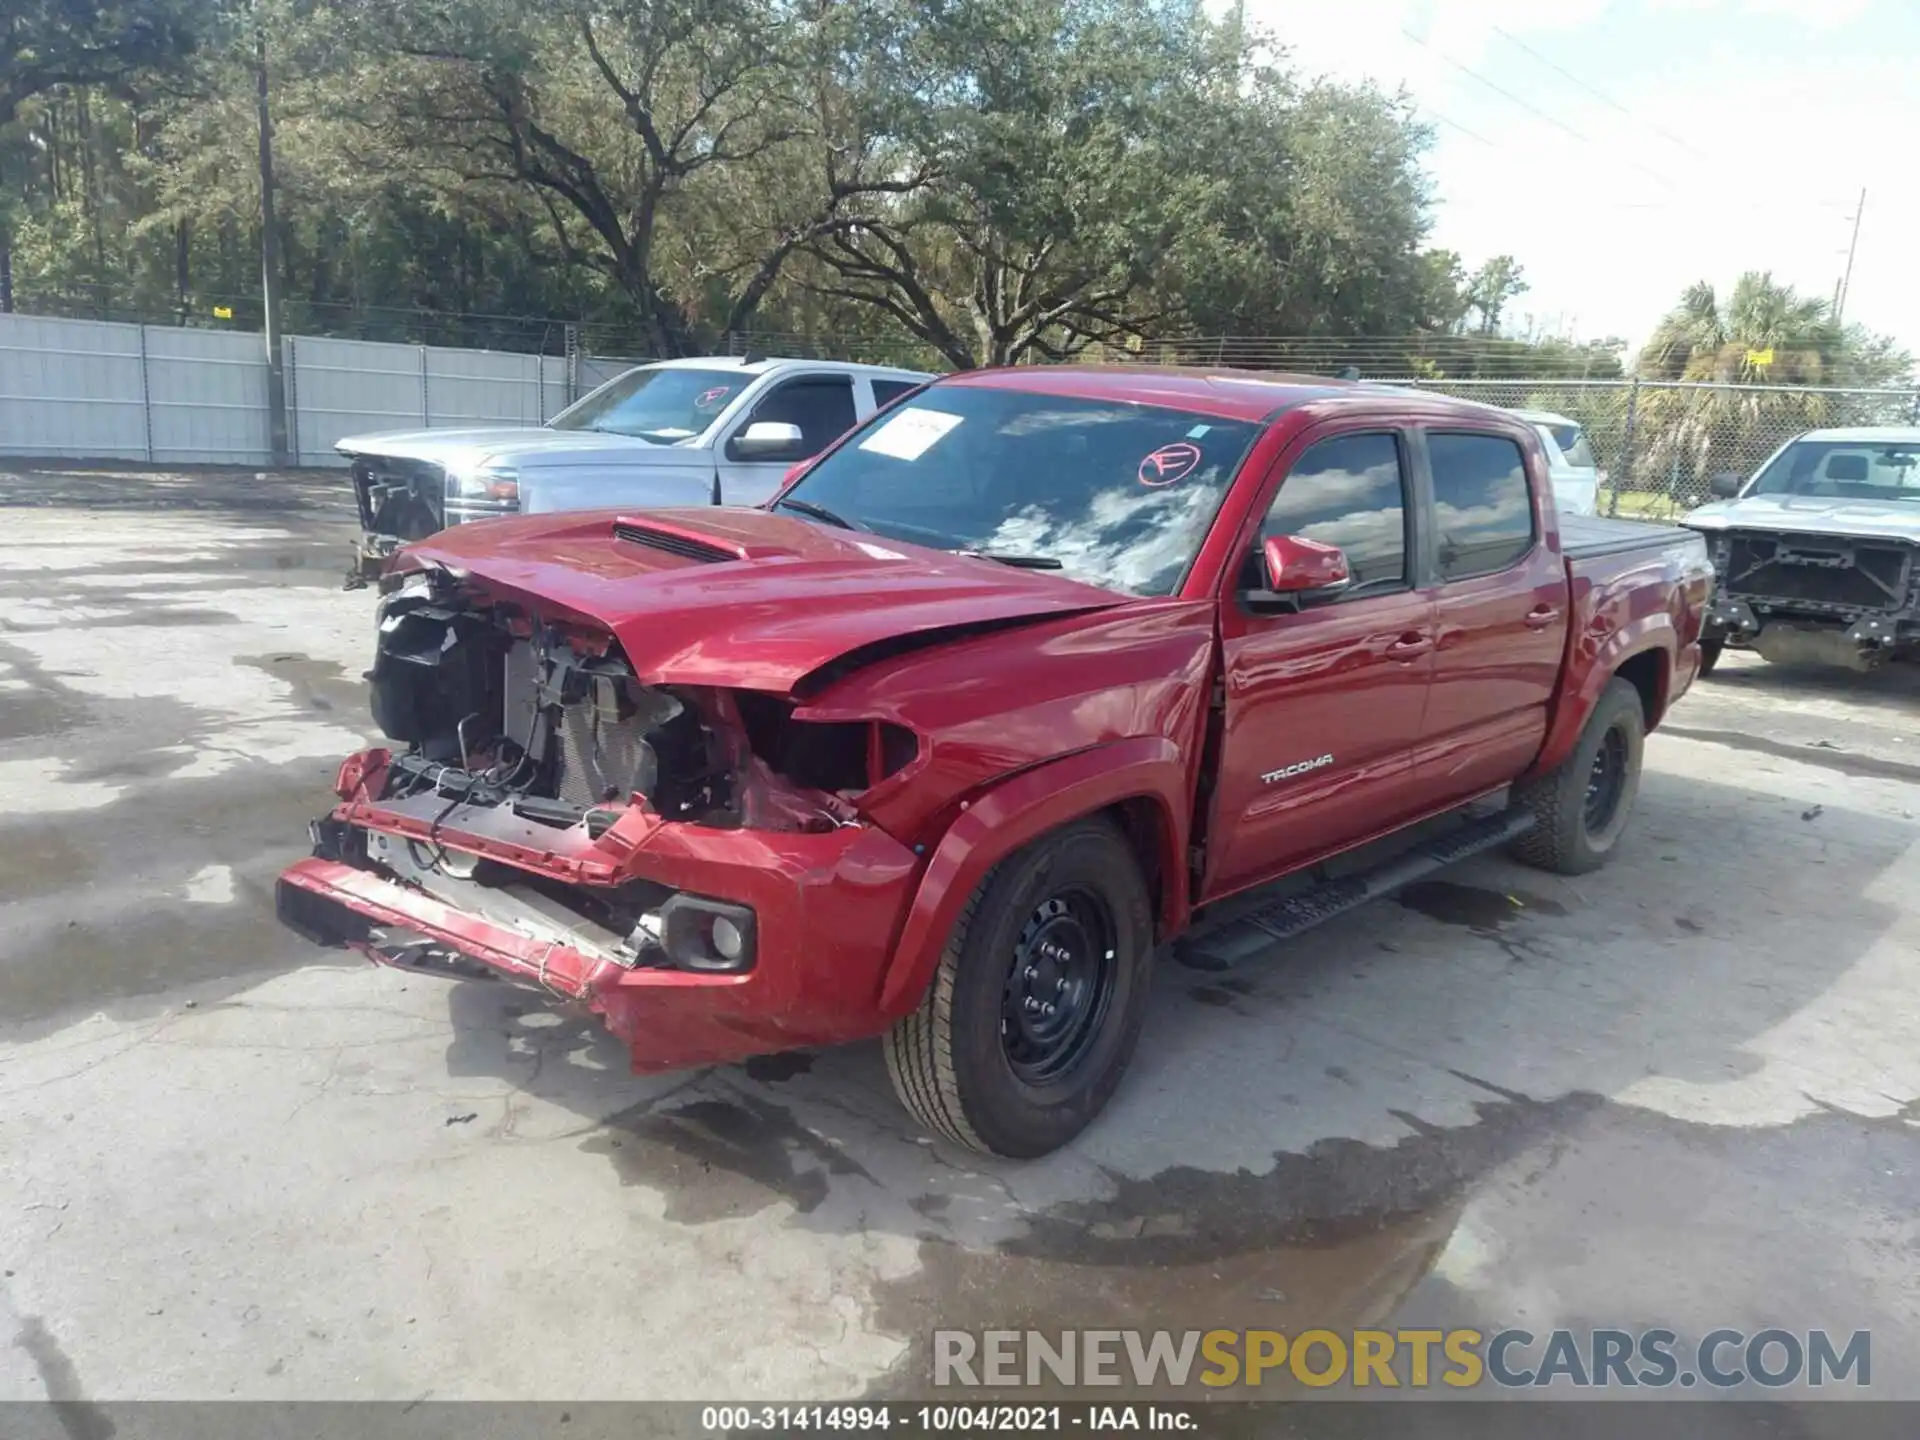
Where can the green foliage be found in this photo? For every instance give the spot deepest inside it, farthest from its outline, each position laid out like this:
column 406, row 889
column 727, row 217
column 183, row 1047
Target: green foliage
column 1763, row 334
column 939, row 182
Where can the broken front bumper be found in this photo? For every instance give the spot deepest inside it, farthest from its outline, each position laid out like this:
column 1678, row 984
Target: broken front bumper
column 370, row 556
column 1785, row 636
column 824, row 911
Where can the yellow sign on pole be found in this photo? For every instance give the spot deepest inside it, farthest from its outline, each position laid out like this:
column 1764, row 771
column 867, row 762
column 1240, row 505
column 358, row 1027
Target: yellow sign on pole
column 1761, row 358
column 223, row 312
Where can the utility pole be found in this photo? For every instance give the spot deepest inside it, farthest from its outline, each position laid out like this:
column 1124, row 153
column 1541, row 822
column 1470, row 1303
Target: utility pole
column 1846, row 279
column 270, row 258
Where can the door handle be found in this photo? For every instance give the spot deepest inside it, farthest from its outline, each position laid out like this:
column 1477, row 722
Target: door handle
column 1541, row 616
column 1409, row 647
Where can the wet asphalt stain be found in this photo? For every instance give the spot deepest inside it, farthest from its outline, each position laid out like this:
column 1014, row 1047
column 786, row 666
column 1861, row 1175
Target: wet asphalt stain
column 772, row 1069
column 43, row 861
column 46, row 708
column 1223, row 994
column 316, row 684
column 1471, row 906
column 79, row 1418
column 1333, row 1237
column 722, row 1159
column 74, row 943
column 151, row 616
column 1866, row 767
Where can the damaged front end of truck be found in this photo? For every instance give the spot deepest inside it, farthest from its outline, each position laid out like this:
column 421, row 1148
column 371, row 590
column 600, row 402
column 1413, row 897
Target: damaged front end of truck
column 656, row 852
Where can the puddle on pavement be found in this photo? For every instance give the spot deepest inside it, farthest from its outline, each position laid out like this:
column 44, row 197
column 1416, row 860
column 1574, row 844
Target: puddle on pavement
column 316, row 684
column 1473, row 907
column 722, row 1159
column 39, row 861
column 1333, row 1238
column 772, row 1069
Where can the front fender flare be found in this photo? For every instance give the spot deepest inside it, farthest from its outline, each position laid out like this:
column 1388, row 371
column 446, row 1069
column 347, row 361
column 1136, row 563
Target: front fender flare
column 1019, row 811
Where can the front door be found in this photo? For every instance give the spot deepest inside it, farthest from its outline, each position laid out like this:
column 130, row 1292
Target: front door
column 1500, row 622
column 1324, row 706
column 821, row 405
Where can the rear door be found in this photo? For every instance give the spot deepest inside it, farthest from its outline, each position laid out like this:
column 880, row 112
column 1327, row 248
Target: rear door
column 1324, row 706
column 1500, row 612
column 821, row 404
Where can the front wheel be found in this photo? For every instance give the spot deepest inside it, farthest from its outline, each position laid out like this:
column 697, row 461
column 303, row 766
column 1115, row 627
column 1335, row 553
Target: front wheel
column 1037, row 1004
column 1581, row 809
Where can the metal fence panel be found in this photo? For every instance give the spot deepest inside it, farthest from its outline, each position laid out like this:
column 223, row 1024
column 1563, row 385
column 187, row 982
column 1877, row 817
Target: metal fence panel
column 596, row 370
column 71, row 388
column 338, row 388
column 465, row 388
column 206, row 397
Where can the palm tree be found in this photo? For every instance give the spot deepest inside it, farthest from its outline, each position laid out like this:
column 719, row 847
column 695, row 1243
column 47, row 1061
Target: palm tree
column 1764, row 333
column 1703, row 339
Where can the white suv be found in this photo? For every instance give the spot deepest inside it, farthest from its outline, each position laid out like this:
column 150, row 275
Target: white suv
column 1576, row 479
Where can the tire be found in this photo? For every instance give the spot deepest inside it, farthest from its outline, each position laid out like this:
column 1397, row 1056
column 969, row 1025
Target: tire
column 1581, row 810
column 965, row 1066
column 1710, row 651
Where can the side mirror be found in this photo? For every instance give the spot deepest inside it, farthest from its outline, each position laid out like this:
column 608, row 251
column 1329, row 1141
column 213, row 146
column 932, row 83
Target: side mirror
column 769, row 440
column 1726, row 485
column 1299, row 570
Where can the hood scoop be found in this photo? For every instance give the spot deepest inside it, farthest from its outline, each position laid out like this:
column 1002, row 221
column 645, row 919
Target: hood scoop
column 687, row 544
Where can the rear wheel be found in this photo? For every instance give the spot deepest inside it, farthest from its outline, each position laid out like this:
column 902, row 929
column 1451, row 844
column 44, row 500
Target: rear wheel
column 1710, row 651
column 1036, row 1006
column 1581, row 809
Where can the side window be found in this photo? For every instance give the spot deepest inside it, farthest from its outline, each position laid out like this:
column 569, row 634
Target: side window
column 885, row 392
column 1483, row 507
column 1349, row 491
column 821, row 405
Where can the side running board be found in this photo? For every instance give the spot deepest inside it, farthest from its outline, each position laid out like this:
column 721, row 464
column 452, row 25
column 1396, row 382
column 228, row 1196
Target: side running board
column 1249, row 936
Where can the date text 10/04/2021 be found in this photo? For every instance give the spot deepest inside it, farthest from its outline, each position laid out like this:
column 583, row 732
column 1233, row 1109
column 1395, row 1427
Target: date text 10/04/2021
column 961, row 1419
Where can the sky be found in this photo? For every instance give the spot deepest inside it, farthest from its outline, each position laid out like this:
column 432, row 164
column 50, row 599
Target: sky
column 1622, row 149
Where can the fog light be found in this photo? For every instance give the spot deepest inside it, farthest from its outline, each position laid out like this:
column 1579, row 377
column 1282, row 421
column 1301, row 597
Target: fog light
column 702, row 934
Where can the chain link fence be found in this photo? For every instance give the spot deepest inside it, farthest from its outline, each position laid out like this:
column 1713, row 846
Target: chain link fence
column 1660, row 443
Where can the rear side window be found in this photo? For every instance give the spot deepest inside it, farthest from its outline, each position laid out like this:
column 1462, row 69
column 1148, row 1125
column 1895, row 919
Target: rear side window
column 885, row 392
column 1572, row 441
column 821, row 405
column 1349, row 491
column 1483, row 509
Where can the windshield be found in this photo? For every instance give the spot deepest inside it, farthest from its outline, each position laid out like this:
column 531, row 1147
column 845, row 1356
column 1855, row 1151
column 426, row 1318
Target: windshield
column 663, row 405
column 1111, row 493
column 1844, row 470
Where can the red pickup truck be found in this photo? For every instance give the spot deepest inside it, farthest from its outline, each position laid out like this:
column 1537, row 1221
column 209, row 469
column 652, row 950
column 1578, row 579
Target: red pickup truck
column 1001, row 697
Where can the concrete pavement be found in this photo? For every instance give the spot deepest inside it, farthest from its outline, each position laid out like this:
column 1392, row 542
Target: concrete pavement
column 1680, row 1092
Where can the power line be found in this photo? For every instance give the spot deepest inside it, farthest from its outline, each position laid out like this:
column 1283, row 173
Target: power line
column 1456, row 125
column 1601, row 95
column 1508, row 94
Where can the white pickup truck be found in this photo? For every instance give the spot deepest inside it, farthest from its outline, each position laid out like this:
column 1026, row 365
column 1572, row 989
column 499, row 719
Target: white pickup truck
column 720, row 430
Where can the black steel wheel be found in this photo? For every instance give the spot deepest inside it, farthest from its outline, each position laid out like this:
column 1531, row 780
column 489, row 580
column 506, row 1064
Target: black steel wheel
column 1059, row 986
column 1606, row 780
column 1582, row 808
column 1036, row 1006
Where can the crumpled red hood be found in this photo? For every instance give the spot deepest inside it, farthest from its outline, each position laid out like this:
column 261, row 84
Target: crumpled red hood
column 787, row 597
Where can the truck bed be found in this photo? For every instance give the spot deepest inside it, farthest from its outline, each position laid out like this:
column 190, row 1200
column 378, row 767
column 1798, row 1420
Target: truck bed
column 1584, row 537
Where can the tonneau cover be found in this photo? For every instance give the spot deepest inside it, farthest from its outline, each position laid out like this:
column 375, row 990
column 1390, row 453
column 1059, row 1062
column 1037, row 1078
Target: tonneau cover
column 1588, row 535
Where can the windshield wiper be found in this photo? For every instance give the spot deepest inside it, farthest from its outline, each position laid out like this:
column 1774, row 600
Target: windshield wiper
column 1018, row 562
column 818, row 512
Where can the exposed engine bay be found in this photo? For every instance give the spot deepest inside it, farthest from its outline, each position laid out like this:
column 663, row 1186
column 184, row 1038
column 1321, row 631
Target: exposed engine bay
column 502, row 707
column 541, row 725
